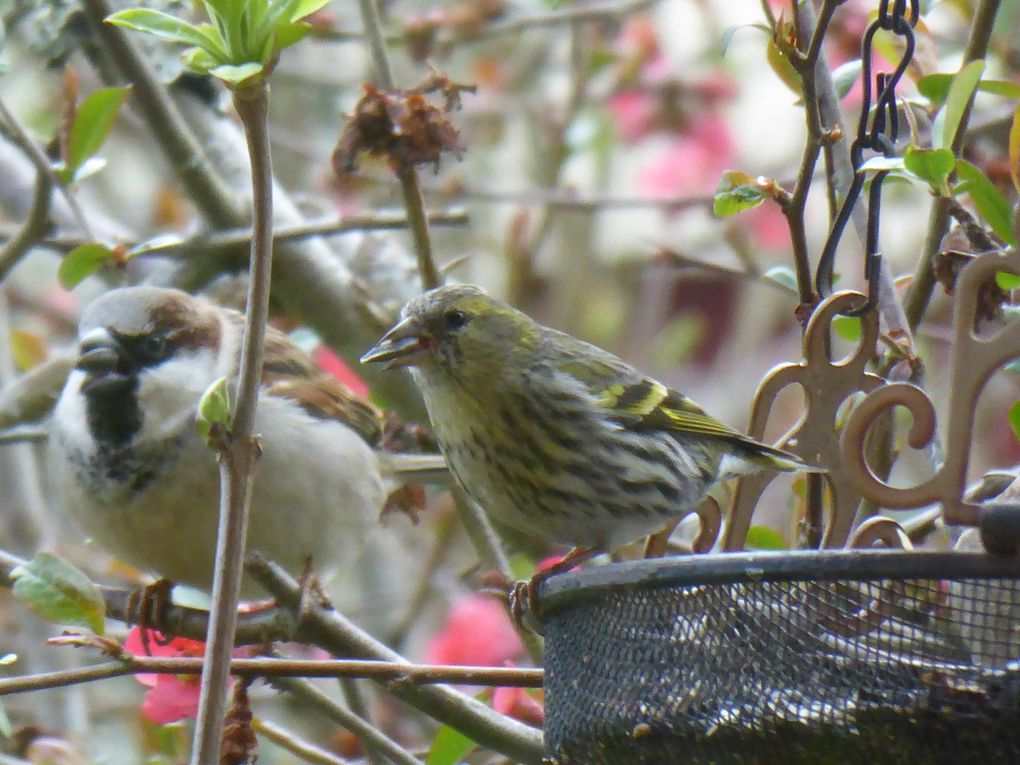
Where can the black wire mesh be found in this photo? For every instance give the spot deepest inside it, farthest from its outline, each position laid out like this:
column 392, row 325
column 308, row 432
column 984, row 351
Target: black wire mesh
column 799, row 658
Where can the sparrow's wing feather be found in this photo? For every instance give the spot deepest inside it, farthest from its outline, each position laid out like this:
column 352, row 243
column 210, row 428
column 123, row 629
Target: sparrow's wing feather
column 288, row 372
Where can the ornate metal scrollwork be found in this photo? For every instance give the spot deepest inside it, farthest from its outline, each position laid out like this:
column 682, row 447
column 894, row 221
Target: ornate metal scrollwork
column 973, row 360
column 826, row 383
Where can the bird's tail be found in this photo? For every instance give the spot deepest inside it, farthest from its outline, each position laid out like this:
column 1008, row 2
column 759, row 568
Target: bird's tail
column 751, row 456
column 416, row 468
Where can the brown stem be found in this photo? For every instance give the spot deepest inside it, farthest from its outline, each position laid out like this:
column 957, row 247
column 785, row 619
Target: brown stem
column 285, row 739
column 406, row 174
column 240, row 451
column 332, row 631
column 392, row 672
column 919, row 294
column 212, row 195
column 369, row 736
column 33, row 229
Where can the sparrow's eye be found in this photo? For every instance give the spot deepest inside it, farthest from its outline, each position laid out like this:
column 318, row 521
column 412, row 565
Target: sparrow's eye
column 455, row 319
column 156, row 346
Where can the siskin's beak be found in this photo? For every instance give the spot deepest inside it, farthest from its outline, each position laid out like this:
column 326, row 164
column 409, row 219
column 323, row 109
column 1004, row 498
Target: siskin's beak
column 103, row 360
column 405, row 345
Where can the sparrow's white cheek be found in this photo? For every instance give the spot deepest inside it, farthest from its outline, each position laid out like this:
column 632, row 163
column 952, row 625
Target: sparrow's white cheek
column 168, row 393
column 69, row 415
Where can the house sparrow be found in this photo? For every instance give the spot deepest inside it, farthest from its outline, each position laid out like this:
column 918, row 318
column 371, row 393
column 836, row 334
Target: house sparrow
column 133, row 472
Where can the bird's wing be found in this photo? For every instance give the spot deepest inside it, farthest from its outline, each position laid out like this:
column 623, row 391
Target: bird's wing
column 288, row 372
column 639, row 403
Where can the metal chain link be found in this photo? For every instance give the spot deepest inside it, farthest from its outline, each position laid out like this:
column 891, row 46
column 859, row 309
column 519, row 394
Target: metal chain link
column 877, row 130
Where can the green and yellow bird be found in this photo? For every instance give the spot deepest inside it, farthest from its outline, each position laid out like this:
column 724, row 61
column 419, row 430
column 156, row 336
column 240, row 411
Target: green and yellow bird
column 554, row 436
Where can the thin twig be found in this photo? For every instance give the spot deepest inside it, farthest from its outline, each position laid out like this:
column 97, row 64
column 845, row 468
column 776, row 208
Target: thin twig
column 231, row 239
column 921, row 287
column 42, row 165
column 405, row 171
column 285, row 739
column 33, row 229
column 330, row 630
column 358, row 704
column 212, row 195
column 410, row 674
column 682, row 261
column 366, row 733
column 604, row 11
column 490, row 552
column 240, row 448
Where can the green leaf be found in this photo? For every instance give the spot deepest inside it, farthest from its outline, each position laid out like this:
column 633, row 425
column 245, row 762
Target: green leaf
column 727, row 36
column 735, row 193
column 844, row 77
column 883, row 165
column 935, row 87
column 1014, row 150
column 1007, row 281
column 6, row 729
column 213, row 409
column 783, row 68
column 1014, row 419
column 92, row 124
column 991, row 204
column 235, row 75
column 289, row 34
column 59, row 592
column 847, row 327
column 1003, row 88
column 449, row 747
column 170, row 28
column 198, row 60
column 783, row 275
column 764, row 538
column 960, row 92
column 933, row 166
column 305, row 8
column 81, row 262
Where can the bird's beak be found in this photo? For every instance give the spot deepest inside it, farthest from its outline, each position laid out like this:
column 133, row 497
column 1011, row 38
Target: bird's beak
column 405, row 345
column 103, row 361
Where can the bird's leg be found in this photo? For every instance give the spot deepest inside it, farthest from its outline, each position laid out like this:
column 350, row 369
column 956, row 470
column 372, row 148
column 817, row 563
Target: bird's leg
column 147, row 608
column 524, row 595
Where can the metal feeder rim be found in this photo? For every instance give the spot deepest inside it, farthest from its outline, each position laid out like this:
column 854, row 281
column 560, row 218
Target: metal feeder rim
column 574, row 587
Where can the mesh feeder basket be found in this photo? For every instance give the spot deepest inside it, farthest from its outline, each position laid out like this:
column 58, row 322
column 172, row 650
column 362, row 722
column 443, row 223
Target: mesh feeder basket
column 831, row 657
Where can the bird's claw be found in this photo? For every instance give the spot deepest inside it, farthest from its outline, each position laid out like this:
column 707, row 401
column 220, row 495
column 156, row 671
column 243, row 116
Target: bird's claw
column 148, row 608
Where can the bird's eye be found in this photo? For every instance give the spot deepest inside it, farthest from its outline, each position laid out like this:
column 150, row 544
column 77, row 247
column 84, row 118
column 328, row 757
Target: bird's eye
column 455, row 319
column 156, row 346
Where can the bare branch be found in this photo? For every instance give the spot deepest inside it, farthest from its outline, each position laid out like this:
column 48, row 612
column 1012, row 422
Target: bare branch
column 383, row 671
column 240, row 448
column 332, row 631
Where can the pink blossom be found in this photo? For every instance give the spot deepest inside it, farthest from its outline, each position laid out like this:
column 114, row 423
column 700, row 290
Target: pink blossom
column 694, row 162
column 477, row 632
column 769, row 226
column 170, row 697
column 519, row 704
column 633, row 113
column 335, row 366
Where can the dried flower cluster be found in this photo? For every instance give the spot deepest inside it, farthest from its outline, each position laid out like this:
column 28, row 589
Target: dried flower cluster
column 404, row 126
